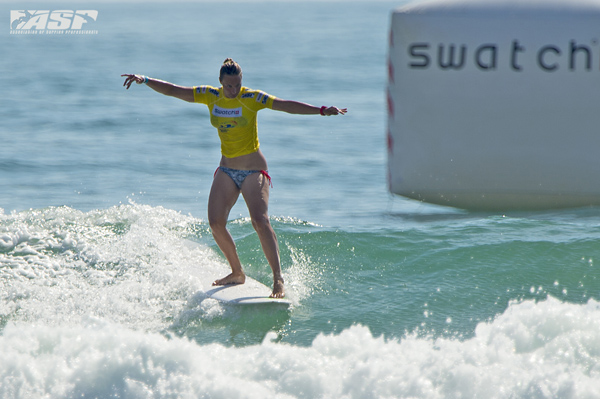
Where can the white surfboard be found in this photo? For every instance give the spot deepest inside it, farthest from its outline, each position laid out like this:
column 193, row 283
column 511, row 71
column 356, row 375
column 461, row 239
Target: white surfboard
column 251, row 292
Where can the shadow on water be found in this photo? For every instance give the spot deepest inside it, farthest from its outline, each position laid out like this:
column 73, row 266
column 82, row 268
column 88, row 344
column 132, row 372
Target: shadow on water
column 206, row 320
column 413, row 211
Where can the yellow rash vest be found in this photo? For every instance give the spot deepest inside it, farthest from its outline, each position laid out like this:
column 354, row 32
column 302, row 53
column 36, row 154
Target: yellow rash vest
column 234, row 118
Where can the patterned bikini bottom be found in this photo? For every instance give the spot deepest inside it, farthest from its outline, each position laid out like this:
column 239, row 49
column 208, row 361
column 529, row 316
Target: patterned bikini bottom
column 238, row 176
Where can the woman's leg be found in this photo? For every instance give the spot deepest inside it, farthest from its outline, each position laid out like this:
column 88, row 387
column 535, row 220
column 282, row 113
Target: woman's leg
column 255, row 190
column 223, row 196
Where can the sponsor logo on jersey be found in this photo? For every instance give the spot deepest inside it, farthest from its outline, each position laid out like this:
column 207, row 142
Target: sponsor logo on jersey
column 228, row 125
column 262, row 97
column 227, row 112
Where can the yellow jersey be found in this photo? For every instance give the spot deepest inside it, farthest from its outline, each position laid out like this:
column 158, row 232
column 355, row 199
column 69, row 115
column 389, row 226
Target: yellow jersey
column 234, row 118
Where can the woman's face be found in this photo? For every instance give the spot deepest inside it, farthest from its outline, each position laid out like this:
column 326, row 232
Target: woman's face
column 232, row 84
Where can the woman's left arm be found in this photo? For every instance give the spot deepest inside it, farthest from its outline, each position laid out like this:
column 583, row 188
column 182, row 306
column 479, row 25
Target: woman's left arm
column 295, row 107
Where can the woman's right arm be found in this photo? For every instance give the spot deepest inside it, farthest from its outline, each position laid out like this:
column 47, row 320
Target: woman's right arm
column 166, row 88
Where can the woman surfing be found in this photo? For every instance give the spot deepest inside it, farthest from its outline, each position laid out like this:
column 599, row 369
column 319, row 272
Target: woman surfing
column 243, row 167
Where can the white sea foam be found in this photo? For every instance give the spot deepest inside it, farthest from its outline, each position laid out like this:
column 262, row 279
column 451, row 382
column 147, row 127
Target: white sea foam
column 548, row 349
column 130, row 264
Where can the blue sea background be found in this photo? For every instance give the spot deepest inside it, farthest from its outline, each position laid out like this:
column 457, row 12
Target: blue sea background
column 105, row 249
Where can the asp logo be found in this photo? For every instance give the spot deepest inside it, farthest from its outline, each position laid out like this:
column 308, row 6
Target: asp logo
column 56, row 21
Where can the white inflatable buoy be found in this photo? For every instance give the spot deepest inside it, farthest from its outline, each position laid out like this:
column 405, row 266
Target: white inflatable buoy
column 495, row 104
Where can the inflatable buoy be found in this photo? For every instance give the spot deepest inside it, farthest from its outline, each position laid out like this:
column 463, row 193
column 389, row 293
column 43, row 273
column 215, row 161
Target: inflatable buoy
column 495, row 104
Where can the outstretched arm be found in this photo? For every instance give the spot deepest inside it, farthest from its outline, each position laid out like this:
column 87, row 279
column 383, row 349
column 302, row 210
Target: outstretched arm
column 166, row 88
column 295, row 107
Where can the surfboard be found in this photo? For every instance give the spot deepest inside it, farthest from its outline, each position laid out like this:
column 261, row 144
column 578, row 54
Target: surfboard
column 251, row 292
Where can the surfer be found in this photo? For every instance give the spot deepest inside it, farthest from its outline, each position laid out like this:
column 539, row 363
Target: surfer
column 243, row 167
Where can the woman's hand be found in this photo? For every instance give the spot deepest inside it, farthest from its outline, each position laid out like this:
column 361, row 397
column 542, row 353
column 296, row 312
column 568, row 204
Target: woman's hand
column 139, row 79
column 334, row 111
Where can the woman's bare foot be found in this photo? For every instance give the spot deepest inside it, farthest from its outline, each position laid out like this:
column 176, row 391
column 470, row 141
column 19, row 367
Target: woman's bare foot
column 278, row 291
column 231, row 279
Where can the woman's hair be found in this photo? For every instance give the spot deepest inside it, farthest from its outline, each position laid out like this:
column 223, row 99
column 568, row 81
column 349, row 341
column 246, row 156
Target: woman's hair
column 230, row 67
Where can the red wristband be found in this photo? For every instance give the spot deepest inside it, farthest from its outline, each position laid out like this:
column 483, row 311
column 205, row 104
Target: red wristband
column 322, row 109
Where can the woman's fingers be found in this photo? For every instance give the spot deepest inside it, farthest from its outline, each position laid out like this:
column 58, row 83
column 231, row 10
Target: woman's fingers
column 131, row 78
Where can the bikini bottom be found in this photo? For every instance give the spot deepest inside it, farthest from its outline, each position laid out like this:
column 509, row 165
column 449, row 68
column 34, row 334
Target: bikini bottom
column 238, row 176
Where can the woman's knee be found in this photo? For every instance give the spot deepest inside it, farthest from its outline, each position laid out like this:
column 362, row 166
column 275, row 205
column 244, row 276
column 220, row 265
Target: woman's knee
column 261, row 223
column 217, row 224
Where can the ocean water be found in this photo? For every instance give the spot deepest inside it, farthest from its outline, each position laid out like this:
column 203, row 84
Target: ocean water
column 105, row 247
